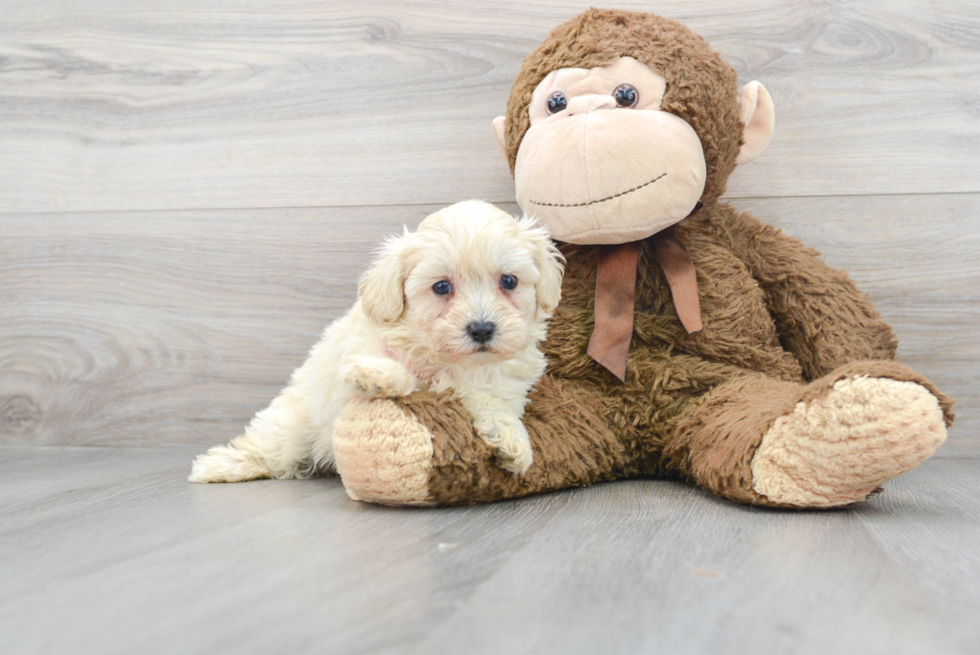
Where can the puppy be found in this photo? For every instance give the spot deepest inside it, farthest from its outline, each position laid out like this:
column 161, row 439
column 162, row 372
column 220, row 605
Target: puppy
column 461, row 304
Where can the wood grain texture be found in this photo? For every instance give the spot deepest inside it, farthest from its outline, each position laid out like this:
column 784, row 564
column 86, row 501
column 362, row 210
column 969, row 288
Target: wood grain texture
column 158, row 328
column 171, row 328
column 111, row 551
column 137, row 105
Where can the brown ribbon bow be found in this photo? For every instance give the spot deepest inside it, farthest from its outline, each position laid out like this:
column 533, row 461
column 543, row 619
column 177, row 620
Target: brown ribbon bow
column 615, row 296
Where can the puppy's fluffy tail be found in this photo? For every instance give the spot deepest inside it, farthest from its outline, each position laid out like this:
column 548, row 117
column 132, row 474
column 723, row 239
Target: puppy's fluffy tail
column 238, row 461
column 275, row 445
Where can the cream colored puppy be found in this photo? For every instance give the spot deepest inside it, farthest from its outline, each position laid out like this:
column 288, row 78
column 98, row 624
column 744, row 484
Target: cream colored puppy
column 461, row 304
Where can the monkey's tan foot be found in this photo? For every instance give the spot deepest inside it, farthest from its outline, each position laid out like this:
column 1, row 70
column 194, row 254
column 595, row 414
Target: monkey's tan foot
column 383, row 453
column 837, row 448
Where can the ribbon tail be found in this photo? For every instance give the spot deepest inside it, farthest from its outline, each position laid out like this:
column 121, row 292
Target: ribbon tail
column 615, row 297
column 678, row 267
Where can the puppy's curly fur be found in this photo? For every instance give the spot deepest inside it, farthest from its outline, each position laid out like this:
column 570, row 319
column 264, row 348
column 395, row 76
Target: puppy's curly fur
column 405, row 333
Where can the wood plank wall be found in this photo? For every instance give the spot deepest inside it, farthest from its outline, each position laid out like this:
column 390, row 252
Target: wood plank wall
column 188, row 190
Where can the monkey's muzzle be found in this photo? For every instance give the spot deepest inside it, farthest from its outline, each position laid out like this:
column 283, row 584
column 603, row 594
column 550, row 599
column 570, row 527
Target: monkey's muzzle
column 609, row 176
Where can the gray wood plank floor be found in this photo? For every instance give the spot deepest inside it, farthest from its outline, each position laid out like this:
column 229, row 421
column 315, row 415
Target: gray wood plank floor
column 111, row 551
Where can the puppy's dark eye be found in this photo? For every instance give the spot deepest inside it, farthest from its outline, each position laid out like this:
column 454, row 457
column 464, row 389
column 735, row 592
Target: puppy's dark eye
column 557, row 102
column 626, row 95
column 508, row 282
column 442, row 288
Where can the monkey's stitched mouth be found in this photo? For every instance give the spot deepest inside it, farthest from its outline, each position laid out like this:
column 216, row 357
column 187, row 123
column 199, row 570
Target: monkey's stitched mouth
column 596, row 202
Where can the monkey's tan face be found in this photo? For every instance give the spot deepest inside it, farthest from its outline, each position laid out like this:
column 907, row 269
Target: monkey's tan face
column 601, row 163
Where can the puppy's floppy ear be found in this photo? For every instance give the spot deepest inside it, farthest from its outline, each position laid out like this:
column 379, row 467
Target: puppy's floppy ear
column 549, row 262
column 381, row 289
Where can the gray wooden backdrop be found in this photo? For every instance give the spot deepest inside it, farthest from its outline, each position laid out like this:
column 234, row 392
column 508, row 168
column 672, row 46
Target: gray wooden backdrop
column 188, row 190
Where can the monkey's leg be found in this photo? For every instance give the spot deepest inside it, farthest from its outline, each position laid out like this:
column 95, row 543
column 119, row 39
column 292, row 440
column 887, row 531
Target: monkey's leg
column 828, row 443
column 423, row 449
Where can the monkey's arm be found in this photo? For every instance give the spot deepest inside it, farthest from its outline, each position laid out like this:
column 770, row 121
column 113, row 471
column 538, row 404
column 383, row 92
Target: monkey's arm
column 821, row 315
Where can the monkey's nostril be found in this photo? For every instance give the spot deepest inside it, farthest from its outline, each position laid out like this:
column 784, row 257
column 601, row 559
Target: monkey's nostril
column 481, row 331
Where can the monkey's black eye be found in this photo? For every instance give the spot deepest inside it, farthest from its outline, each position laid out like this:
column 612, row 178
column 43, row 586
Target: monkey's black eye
column 508, row 282
column 626, row 95
column 442, row 288
column 557, row 102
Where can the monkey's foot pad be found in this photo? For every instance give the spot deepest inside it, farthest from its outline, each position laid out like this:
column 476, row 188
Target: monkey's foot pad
column 837, row 449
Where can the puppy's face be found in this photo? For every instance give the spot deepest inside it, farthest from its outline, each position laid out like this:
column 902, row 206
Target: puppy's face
column 473, row 283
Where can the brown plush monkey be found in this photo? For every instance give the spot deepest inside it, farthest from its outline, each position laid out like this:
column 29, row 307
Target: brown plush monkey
column 768, row 378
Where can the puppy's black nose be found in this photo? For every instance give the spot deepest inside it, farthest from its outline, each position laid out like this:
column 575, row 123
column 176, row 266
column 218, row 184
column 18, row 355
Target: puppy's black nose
column 480, row 331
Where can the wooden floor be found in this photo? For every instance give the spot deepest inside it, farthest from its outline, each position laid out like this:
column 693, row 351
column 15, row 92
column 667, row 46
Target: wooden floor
column 111, row 551
column 188, row 192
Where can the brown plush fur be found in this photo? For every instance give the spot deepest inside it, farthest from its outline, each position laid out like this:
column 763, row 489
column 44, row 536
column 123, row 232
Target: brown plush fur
column 463, row 469
column 779, row 325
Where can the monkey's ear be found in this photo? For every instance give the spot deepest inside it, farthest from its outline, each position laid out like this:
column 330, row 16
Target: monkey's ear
column 499, row 123
column 758, row 116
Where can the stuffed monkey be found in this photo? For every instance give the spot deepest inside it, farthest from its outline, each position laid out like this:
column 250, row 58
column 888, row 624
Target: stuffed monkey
column 692, row 340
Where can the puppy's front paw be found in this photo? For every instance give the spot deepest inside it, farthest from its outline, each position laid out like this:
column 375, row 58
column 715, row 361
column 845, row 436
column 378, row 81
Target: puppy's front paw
column 381, row 381
column 510, row 439
column 517, row 460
